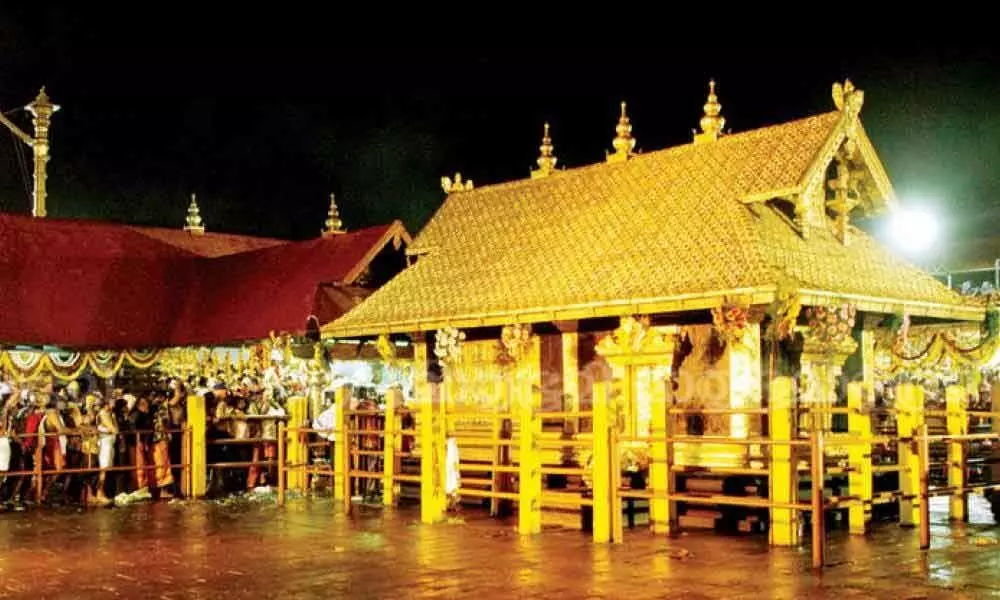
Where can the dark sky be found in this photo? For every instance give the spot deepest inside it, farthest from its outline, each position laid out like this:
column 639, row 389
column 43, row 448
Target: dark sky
column 264, row 123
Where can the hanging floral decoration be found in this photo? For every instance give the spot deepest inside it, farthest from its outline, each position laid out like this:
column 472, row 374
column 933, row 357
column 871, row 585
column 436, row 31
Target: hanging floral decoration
column 940, row 351
column 515, row 342
column 731, row 321
column 448, row 345
column 67, row 366
column 784, row 313
column 831, row 325
column 386, row 349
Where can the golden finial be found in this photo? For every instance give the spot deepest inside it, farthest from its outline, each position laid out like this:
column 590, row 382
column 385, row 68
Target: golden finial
column 333, row 225
column 457, row 185
column 713, row 121
column 623, row 143
column 193, row 223
column 546, row 160
column 847, row 98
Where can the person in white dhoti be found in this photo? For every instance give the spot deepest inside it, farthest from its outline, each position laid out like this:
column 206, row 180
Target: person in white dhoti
column 325, row 422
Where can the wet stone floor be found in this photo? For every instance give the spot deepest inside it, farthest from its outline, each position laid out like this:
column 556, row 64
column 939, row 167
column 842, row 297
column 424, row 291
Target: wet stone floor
column 311, row 550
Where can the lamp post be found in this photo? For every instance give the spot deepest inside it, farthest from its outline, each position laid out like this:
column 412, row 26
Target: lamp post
column 41, row 109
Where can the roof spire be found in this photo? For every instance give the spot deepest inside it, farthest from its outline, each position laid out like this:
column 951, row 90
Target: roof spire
column 193, row 223
column 713, row 121
column 623, row 143
column 333, row 225
column 457, row 185
column 546, row 160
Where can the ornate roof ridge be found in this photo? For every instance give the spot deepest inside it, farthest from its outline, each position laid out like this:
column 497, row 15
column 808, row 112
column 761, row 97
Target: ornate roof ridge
column 727, row 139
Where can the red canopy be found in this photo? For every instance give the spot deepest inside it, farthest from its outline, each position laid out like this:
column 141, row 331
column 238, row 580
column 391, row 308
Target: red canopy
column 86, row 284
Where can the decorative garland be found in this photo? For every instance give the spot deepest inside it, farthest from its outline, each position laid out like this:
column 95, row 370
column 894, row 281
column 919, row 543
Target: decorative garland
column 831, row 325
column 67, row 366
column 386, row 350
column 942, row 351
column 731, row 320
column 448, row 345
column 783, row 313
column 515, row 341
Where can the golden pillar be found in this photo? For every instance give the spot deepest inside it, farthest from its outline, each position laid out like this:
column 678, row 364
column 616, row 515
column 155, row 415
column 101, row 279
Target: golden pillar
column 910, row 404
column 341, row 457
column 571, row 371
column 390, row 443
column 859, row 456
column 198, row 462
column 635, row 349
column 744, row 379
column 529, row 512
column 601, row 479
column 782, row 478
column 958, row 424
column 297, row 453
column 868, row 358
column 432, row 499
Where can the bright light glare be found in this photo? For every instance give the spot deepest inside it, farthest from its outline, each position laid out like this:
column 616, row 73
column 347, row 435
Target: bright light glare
column 913, row 230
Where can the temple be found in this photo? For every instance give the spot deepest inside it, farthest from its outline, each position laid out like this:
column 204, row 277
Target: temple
column 673, row 290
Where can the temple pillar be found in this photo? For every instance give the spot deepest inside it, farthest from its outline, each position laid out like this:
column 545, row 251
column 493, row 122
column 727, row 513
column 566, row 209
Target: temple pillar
column 570, row 370
column 633, row 350
column 297, row 453
column 956, row 401
column 600, row 475
column 432, row 498
column 529, row 401
column 196, row 423
column 868, row 359
column 341, row 456
column 784, row 530
column 744, row 379
column 859, row 457
column 390, row 439
column 910, row 416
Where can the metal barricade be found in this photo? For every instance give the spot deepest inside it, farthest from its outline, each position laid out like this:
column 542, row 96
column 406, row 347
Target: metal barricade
column 236, row 453
column 52, row 455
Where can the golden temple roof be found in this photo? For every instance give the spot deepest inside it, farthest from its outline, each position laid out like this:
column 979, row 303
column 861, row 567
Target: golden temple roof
column 676, row 229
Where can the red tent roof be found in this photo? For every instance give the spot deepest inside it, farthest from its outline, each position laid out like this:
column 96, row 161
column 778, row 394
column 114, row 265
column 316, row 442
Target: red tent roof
column 85, row 284
column 210, row 243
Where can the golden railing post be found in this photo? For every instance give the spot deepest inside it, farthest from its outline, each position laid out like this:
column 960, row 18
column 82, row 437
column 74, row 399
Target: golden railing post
column 341, row 457
column 389, row 437
column 600, row 464
column 924, row 457
column 784, row 530
column 198, row 464
column 297, row 451
column 859, row 455
column 910, row 402
column 994, row 476
column 430, row 488
column 282, row 439
column 958, row 424
column 39, row 457
column 818, row 499
column 529, row 513
column 615, row 469
column 659, row 467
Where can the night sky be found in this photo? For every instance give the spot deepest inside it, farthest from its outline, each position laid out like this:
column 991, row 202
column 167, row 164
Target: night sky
column 264, row 124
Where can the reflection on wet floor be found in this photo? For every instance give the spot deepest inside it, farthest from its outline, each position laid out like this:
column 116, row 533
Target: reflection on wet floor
column 311, row 549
